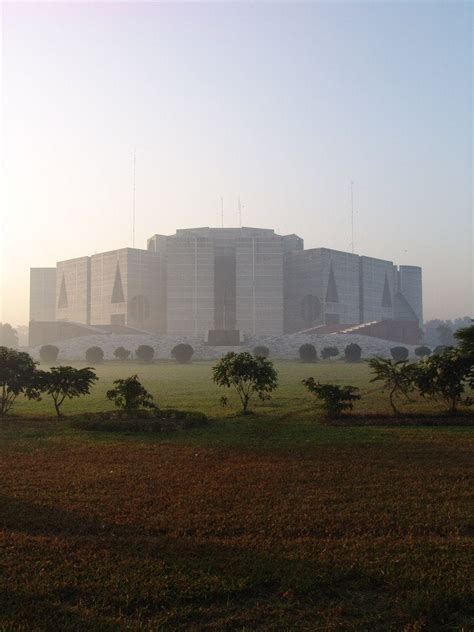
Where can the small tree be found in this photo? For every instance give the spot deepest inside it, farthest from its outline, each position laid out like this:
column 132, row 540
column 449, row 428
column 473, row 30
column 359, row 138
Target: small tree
column 122, row 354
column 422, row 352
column 335, row 399
column 48, row 354
column 445, row 334
column 308, row 353
column 261, row 351
column 145, row 353
column 8, row 336
column 129, row 394
column 465, row 338
column 397, row 377
column 399, row 353
column 439, row 349
column 182, row 352
column 444, row 376
column 95, row 355
column 63, row 382
column 247, row 375
column 329, row 352
column 353, row 353
column 18, row 375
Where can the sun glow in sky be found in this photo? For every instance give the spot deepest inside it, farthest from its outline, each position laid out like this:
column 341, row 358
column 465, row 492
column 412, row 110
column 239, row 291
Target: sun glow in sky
column 282, row 104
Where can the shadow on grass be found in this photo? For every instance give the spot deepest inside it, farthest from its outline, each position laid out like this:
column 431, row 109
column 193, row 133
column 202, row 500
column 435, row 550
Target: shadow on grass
column 137, row 576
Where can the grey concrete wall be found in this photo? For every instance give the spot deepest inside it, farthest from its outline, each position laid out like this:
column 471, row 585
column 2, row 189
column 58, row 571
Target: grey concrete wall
column 373, row 275
column 73, row 290
column 411, row 287
column 345, row 278
column 126, row 289
column 190, row 285
column 42, row 294
column 259, row 290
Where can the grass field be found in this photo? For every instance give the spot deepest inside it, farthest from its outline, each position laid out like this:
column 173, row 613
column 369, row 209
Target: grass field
column 273, row 521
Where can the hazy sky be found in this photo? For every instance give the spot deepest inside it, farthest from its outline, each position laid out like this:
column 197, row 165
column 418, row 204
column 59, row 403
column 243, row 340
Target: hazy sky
column 282, row 103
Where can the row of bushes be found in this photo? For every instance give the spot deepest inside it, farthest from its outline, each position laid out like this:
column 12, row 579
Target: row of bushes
column 95, row 355
column 184, row 352
column 443, row 376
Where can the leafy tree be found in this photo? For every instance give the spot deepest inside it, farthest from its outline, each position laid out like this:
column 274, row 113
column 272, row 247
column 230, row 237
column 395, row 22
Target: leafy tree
column 18, row 375
column 353, row 353
column 145, row 353
column 444, row 377
column 445, row 334
column 329, row 352
column 182, row 352
column 335, row 399
column 121, row 353
column 247, row 375
column 399, row 353
column 48, row 354
column 129, row 394
column 422, row 352
column 95, row 355
column 8, row 336
column 397, row 376
column 63, row 382
column 465, row 338
column 261, row 351
column 308, row 353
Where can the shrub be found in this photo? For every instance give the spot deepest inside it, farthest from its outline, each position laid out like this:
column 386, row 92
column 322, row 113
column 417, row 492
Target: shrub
column 444, row 376
column 144, row 353
column 121, row 353
column 398, row 377
column 247, row 375
column 308, row 353
column 335, row 399
column 439, row 349
column 399, row 354
column 18, row 376
column 63, row 382
column 182, row 352
column 129, row 394
column 353, row 353
column 48, row 354
column 261, row 351
column 95, row 355
column 422, row 352
column 329, row 352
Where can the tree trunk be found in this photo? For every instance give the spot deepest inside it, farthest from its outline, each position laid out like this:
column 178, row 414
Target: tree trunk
column 392, row 403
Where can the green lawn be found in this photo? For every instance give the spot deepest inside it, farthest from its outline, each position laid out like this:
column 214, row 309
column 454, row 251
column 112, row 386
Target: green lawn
column 273, row 521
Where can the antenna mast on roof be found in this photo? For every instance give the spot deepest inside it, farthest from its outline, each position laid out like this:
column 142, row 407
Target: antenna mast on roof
column 352, row 215
column 133, row 195
column 239, row 211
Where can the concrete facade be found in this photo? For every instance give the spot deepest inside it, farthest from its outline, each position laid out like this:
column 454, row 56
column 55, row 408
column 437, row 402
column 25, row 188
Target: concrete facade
column 42, row 294
column 246, row 280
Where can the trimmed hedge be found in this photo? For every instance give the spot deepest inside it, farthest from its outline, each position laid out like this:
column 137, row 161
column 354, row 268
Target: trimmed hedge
column 308, row 353
column 48, row 354
column 329, row 352
column 182, row 352
column 145, row 353
column 95, row 355
column 353, row 353
column 121, row 353
column 423, row 351
column 399, row 353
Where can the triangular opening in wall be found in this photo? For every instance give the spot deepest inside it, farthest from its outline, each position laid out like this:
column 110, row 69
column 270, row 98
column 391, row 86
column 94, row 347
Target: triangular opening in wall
column 331, row 292
column 387, row 297
column 117, row 292
column 62, row 299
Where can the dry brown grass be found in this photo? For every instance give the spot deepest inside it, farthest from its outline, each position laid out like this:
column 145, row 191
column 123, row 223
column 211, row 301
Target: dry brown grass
column 367, row 534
